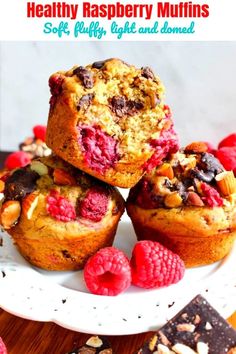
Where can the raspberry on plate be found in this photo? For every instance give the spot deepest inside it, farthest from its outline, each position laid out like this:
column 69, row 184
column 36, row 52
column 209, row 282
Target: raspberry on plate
column 107, row 272
column 154, row 266
column 229, row 141
column 17, row 159
column 3, row 349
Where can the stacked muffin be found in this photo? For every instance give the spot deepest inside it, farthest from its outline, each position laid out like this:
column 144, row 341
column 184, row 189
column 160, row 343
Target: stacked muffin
column 108, row 127
column 107, row 119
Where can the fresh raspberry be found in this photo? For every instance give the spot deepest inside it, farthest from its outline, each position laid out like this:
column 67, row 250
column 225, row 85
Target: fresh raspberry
column 107, row 272
column 229, row 141
column 100, row 149
column 59, row 207
column 3, row 349
column 154, row 266
column 40, row 132
column 167, row 111
column 17, row 159
column 166, row 144
column 94, row 205
column 227, row 156
column 211, row 197
column 55, row 84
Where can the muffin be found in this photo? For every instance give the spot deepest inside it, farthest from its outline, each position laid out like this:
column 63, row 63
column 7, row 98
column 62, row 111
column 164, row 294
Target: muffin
column 188, row 205
column 109, row 120
column 57, row 215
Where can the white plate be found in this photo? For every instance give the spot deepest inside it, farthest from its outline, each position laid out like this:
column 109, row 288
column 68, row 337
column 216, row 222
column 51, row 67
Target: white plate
column 61, row 297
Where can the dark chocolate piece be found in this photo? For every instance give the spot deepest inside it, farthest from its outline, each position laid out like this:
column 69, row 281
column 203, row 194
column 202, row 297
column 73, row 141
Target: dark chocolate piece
column 20, row 183
column 196, row 323
column 85, row 101
column 85, row 76
column 100, row 64
column 94, row 345
column 148, row 73
column 208, row 162
column 203, row 176
column 122, row 107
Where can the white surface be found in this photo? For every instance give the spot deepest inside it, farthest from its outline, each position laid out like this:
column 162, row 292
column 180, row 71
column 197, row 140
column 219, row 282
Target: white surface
column 200, row 80
column 61, row 297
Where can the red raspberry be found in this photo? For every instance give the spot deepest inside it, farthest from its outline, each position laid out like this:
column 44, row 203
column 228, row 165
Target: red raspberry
column 100, row 149
column 94, row 205
column 40, row 132
column 107, row 272
column 154, row 266
column 166, row 144
column 55, row 84
column 17, row 159
column 211, row 197
column 210, row 147
column 60, row 208
column 229, row 141
column 227, row 156
column 3, row 349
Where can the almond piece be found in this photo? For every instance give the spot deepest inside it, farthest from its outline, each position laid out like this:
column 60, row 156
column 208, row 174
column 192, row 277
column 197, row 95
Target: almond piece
column 202, row 348
column 182, row 349
column 94, row 342
column 165, row 170
column 2, row 186
column 162, row 349
column 10, row 213
column 29, row 204
column 226, row 182
column 196, row 147
column 63, row 178
column 173, row 200
column 194, row 199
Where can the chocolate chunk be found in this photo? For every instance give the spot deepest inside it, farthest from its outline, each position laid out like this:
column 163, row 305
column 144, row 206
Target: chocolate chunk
column 147, row 73
column 122, row 107
column 203, row 176
column 196, row 323
column 180, row 187
column 94, row 345
column 85, row 101
column 100, row 64
column 85, row 76
column 208, row 162
column 20, row 183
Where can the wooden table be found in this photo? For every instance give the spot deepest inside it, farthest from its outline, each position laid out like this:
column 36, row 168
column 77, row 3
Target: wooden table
column 29, row 337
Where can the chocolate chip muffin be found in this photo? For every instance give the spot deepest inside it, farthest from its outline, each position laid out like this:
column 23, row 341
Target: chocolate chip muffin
column 57, row 215
column 109, row 120
column 189, row 205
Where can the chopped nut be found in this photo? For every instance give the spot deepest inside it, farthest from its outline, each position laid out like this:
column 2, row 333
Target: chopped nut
column 161, row 185
column 165, row 170
column 163, row 338
column 94, row 342
column 152, row 343
column 202, row 348
column 63, row 177
column 226, row 182
column 162, row 349
column 173, row 200
column 194, row 199
column 197, row 319
column 187, row 327
column 10, row 213
column 196, row 147
column 29, row 204
column 208, row 326
column 182, row 349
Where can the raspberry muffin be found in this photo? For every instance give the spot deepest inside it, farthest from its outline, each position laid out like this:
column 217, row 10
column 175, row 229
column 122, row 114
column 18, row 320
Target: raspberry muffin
column 57, row 215
column 188, row 205
column 109, row 120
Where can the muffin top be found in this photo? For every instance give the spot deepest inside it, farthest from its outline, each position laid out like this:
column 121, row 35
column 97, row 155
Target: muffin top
column 118, row 106
column 61, row 191
column 190, row 177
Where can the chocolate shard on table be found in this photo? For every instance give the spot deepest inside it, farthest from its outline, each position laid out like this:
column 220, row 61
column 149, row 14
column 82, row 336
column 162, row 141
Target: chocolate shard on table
column 94, row 345
column 196, row 329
